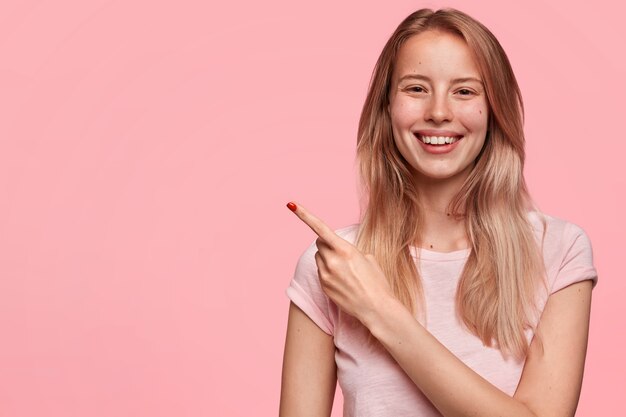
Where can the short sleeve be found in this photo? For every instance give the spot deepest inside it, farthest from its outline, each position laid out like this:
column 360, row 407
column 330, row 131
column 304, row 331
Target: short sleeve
column 306, row 292
column 577, row 262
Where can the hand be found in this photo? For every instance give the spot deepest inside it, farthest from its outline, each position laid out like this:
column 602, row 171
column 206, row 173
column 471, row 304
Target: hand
column 352, row 280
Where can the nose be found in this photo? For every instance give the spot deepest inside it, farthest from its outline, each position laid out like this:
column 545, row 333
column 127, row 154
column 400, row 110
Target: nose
column 438, row 109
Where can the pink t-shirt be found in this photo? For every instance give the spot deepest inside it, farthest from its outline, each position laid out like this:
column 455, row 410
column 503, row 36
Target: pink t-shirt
column 372, row 383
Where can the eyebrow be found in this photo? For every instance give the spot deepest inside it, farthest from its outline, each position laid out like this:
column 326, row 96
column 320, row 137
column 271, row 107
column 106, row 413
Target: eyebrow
column 425, row 78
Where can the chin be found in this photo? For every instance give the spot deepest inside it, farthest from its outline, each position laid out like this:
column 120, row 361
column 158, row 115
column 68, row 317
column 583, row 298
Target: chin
column 436, row 176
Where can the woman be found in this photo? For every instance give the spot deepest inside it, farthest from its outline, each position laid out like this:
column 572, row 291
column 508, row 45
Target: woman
column 454, row 296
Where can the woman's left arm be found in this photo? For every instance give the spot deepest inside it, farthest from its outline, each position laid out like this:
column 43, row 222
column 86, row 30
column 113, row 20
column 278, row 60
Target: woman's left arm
column 552, row 376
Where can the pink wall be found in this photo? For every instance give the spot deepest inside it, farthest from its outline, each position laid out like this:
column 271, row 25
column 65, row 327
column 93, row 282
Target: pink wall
column 148, row 148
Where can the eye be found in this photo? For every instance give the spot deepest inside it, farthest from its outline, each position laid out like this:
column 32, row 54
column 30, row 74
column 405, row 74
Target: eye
column 415, row 89
column 467, row 92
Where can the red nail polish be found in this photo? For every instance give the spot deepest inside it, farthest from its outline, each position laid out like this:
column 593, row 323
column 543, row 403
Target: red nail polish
column 291, row 206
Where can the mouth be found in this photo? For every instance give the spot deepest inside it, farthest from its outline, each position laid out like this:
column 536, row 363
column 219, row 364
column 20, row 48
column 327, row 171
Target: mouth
column 438, row 140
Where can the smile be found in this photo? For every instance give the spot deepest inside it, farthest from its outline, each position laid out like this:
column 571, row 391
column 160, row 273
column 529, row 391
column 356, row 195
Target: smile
column 438, row 140
column 439, row 144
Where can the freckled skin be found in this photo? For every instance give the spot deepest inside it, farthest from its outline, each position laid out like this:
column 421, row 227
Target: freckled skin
column 437, row 104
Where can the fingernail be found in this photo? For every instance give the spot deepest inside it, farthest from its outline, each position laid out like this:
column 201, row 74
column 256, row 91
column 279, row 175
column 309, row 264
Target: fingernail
column 291, row 206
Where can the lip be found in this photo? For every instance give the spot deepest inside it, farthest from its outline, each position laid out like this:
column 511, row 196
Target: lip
column 438, row 149
column 432, row 132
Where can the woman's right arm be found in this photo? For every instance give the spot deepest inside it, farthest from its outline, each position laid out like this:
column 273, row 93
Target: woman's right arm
column 309, row 374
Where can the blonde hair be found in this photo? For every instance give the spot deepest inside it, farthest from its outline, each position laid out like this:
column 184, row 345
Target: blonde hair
column 497, row 291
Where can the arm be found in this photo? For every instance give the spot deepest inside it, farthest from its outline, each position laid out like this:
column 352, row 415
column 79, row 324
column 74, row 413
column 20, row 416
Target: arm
column 309, row 376
column 551, row 380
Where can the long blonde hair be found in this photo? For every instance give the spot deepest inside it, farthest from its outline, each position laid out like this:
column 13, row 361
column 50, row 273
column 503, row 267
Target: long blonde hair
column 497, row 291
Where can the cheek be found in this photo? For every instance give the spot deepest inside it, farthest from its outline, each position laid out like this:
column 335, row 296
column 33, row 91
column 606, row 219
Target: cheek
column 403, row 114
column 398, row 112
column 474, row 116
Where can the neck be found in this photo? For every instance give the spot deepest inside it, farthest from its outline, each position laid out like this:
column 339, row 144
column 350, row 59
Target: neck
column 441, row 231
column 436, row 194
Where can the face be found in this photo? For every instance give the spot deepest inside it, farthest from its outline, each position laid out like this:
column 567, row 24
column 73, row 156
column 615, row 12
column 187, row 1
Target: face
column 430, row 101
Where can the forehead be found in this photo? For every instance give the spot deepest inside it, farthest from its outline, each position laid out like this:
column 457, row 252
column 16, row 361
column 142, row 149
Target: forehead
column 436, row 54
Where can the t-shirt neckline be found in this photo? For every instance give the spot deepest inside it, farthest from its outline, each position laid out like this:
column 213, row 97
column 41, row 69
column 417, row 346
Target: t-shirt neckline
column 439, row 256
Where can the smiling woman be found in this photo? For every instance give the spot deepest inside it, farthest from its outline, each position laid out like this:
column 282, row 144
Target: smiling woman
column 426, row 90
column 454, row 295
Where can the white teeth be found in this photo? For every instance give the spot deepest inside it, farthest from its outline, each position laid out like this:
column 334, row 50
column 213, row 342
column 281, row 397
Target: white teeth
column 439, row 140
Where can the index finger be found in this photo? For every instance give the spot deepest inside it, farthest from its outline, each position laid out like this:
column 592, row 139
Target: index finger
column 318, row 226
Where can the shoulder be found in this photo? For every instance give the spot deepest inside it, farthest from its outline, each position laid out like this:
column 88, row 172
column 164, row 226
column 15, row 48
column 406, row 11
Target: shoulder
column 349, row 232
column 558, row 232
column 566, row 249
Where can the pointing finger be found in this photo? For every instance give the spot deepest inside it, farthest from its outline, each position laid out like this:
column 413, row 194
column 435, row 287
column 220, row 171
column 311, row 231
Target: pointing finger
column 318, row 226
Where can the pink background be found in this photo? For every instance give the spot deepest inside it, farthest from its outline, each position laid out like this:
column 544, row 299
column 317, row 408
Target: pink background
column 148, row 148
